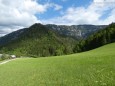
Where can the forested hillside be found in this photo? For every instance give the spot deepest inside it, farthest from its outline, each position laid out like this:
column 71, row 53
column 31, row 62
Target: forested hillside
column 74, row 31
column 98, row 39
column 40, row 40
column 37, row 40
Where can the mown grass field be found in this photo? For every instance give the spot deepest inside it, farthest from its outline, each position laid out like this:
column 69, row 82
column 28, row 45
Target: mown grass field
column 92, row 68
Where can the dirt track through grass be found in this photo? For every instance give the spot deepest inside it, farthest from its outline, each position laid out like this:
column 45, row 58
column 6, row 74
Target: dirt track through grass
column 6, row 61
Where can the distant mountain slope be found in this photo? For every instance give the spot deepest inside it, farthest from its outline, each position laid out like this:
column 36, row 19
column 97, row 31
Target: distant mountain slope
column 97, row 39
column 10, row 37
column 45, row 40
column 76, row 31
column 36, row 40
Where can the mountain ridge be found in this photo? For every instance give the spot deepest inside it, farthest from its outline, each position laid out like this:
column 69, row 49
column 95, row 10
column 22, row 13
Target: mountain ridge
column 37, row 40
column 74, row 31
column 45, row 40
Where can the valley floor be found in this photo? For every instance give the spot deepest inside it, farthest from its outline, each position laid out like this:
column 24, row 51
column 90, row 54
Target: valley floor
column 92, row 68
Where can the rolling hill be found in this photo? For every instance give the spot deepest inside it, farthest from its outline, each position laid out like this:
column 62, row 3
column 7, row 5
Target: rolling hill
column 91, row 68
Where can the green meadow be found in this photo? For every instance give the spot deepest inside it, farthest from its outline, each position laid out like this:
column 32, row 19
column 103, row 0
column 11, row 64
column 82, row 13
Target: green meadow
column 91, row 68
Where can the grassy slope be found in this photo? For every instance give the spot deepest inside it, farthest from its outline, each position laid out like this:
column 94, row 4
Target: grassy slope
column 92, row 68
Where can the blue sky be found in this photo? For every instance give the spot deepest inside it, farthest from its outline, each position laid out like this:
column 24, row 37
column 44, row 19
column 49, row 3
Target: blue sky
column 17, row 14
column 102, row 12
column 64, row 3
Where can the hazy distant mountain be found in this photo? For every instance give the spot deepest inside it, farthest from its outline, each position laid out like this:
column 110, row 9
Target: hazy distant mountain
column 76, row 31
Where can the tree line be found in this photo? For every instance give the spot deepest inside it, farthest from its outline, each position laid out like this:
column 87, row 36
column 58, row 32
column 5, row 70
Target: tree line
column 98, row 39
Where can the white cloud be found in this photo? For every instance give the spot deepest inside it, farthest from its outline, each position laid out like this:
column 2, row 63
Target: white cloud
column 8, row 29
column 18, row 13
column 15, row 14
column 57, row 7
column 89, row 15
column 104, row 1
column 21, row 13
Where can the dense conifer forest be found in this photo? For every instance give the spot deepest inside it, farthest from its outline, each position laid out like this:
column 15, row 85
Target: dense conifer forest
column 98, row 39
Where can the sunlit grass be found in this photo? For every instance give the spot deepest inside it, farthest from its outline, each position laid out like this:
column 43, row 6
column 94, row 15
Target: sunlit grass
column 92, row 68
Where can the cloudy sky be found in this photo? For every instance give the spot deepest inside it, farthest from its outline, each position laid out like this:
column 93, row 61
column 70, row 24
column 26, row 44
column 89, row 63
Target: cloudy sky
column 17, row 14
